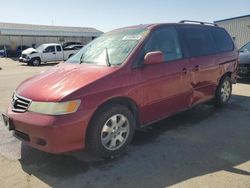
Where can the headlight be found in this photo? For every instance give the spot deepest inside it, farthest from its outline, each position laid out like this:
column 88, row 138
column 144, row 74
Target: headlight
column 55, row 108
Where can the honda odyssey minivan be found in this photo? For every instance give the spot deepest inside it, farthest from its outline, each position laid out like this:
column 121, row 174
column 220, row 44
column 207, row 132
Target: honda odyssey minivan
column 121, row 81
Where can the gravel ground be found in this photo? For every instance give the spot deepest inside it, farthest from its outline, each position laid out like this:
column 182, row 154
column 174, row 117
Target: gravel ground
column 202, row 147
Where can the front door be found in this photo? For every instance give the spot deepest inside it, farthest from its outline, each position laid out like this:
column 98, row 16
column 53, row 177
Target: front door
column 49, row 54
column 166, row 86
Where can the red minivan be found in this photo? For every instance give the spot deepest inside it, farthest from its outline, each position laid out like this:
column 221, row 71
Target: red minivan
column 123, row 80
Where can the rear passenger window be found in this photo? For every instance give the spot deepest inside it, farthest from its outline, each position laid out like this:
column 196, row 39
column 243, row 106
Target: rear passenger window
column 198, row 41
column 166, row 41
column 58, row 48
column 222, row 39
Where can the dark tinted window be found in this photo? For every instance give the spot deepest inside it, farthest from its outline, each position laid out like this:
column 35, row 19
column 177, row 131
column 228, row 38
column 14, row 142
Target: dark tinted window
column 198, row 40
column 49, row 49
column 222, row 39
column 165, row 40
column 58, row 48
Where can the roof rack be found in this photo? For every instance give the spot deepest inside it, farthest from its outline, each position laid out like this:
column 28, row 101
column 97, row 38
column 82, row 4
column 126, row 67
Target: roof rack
column 198, row 22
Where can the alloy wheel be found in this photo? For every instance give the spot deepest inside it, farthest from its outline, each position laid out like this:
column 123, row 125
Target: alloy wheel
column 225, row 91
column 115, row 132
column 36, row 62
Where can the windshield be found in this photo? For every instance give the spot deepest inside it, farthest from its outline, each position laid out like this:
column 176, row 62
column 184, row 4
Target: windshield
column 111, row 48
column 40, row 48
column 245, row 47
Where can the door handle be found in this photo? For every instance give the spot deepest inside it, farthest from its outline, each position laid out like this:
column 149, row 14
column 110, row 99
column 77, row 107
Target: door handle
column 184, row 70
column 54, row 52
column 196, row 68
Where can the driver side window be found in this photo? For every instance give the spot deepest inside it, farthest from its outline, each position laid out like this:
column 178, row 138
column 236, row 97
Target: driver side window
column 165, row 40
column 49, row 49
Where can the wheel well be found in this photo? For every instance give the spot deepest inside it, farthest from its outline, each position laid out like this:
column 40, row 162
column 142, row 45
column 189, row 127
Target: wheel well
column 229, row 74
column 222, row 77
column 36, row 58
column 129, row 103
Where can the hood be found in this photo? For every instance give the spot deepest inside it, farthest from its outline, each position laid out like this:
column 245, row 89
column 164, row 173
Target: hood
column 60, row 81
column 29, row 51
column 244, row 58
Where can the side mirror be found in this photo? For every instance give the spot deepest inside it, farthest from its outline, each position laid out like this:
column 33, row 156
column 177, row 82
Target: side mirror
column 153, row 58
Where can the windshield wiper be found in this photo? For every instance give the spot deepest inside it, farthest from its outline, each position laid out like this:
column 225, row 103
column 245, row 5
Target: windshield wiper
column 81, row 59
column 107, row 57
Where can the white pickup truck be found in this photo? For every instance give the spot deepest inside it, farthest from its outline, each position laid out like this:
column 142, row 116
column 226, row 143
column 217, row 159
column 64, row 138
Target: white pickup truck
column 45, row 53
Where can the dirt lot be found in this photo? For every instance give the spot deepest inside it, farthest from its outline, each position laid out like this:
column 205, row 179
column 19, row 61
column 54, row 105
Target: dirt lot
column 202, row 147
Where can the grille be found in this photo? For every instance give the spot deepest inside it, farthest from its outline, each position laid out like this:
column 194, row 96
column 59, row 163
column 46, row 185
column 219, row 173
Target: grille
column 20, row 104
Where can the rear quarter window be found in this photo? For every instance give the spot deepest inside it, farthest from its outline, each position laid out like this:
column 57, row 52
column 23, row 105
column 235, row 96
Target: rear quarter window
column 222, row 39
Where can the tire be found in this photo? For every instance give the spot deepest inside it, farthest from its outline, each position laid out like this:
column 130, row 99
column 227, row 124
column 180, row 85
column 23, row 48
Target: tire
column 111, row 131
column 223, row 91
column 35, row 62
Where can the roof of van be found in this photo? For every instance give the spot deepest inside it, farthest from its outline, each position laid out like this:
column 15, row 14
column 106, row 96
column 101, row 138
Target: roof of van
column 151, row 26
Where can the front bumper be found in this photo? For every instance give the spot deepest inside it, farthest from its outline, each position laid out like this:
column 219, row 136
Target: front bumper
column 23, row 60
column 53, row 134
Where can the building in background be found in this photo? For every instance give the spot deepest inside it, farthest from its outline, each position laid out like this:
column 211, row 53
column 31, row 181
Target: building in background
column 238, row 28
column 12, row 34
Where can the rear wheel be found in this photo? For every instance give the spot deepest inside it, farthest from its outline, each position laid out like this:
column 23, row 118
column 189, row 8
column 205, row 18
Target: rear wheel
column 111, row 130
column 224, row 91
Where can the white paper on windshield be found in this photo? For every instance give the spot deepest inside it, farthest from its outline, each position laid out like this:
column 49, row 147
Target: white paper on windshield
column 132, row 37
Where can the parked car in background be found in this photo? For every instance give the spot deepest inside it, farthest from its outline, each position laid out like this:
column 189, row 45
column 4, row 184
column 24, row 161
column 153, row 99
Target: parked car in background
column 46, row 53
column 19, row 50
column 16, row 51
column 70, row 43
column 244, row 58
column 123, row 80
column 3, row 51
column 73, row 47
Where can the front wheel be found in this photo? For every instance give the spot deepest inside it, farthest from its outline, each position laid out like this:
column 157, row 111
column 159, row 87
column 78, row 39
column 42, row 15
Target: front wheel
column 223, row 91
column 111, row 130
column 35, row 62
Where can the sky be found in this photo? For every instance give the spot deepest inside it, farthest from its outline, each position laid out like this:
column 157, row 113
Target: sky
column 111, row 14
